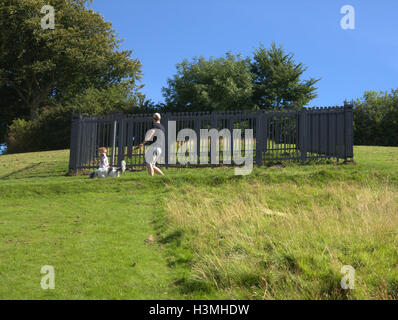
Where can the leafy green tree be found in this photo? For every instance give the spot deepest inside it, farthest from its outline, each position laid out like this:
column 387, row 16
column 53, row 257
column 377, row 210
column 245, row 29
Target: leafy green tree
column 216, row 84
column 81, row 52
column 277, row 82
column 119, row 98
column 271, row 80
column 376, row 119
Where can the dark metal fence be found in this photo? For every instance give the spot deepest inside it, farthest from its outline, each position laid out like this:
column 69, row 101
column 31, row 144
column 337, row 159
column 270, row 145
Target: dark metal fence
column 283, row 135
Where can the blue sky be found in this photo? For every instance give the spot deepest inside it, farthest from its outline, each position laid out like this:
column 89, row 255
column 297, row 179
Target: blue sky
column 163, row 33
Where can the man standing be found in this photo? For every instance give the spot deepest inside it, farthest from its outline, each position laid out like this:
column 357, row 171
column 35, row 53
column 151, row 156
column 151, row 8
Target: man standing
column 152, row 155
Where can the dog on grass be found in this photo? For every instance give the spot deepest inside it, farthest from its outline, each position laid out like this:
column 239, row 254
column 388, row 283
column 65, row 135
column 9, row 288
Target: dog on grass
column 109, row 172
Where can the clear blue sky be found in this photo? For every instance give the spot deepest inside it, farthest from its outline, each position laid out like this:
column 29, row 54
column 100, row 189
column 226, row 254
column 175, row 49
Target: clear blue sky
column 164, row 32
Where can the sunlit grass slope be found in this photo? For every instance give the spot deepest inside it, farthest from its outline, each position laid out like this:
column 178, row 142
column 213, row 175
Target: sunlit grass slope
column 278, row 233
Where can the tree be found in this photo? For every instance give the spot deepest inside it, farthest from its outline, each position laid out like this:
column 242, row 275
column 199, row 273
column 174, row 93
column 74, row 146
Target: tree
column 81, row 52
column 216, row 84
column 277, row 82
column 376, row 119
column 118, row 98
column 271, row 80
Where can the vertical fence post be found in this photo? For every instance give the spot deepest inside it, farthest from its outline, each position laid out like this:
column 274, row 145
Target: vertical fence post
column 348, row 131
column 114, row 128
column 303, row 135
column 197, row 124
column 214, row 125
column 74, row 136
column 231, row 129
column 259, row 137
column 265, row 134
column 166, row 137
column 80, row 128
column 121, row 142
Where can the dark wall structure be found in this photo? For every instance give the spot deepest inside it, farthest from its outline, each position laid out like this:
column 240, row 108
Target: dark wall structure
column 281, row 135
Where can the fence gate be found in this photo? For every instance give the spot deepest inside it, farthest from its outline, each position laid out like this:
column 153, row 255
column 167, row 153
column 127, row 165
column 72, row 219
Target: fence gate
column 284, row 135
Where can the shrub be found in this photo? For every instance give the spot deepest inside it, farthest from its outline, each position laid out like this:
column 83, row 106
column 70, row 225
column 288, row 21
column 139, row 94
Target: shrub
column 49, row 131
column 19, row 136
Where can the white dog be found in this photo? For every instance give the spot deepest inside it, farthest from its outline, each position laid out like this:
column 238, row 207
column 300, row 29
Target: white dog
column 109, row 172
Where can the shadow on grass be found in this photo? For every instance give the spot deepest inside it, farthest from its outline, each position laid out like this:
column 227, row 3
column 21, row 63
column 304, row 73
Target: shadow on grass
column 192, row 286
column 20, row 170
column 172, row 238
column 180, row 258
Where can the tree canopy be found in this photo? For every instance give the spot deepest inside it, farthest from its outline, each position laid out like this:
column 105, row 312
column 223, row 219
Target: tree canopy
column 215, row 84
column 277, row 80
column 376, row 119
column 272, row 79
column 37, row 65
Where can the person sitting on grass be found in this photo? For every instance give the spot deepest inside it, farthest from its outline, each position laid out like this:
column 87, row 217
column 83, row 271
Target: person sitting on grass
column 104, row 164
column 104, row 169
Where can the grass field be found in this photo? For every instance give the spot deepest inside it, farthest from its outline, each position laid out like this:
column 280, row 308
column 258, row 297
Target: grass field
column 279, row 233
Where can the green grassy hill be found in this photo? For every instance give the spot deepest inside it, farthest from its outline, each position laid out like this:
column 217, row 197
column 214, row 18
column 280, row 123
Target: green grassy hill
column 279, row 233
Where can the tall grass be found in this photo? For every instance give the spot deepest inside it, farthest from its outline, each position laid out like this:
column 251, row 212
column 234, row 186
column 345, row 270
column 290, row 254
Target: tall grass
column 289, row 240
